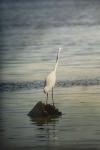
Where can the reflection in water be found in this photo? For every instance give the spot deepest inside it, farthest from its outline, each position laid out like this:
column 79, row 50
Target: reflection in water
column 47, row 127
column 43, row 120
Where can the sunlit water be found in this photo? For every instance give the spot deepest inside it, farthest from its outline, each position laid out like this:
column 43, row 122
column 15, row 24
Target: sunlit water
column 32, row 32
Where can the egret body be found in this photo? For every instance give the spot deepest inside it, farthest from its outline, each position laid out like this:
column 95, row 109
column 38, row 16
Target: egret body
column 51, row 79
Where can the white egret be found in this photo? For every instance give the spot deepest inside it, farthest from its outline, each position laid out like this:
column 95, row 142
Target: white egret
column 51, row 79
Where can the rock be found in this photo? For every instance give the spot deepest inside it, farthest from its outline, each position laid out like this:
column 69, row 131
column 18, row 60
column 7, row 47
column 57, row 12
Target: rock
column 44, row 110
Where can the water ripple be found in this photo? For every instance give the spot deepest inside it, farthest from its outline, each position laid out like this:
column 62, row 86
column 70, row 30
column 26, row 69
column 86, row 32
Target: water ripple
column 37, row 84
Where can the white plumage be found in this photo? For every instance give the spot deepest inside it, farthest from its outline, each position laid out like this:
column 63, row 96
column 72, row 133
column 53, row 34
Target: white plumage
column 51, row 79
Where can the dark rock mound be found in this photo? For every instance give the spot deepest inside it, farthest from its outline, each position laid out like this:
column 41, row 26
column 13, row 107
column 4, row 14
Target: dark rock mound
column 44, row 110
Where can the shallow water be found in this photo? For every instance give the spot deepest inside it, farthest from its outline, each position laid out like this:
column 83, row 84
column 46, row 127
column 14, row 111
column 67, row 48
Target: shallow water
column 79, row 124
column 32, row 32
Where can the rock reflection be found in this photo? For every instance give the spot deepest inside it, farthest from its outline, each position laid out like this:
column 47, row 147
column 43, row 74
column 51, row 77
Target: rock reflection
column 47, row 128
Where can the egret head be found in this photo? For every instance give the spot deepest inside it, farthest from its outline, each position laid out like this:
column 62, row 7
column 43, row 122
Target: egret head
column 46, row 90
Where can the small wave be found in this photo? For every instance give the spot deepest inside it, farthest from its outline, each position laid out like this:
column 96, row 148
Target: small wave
column 13, row 86
column 37, row 84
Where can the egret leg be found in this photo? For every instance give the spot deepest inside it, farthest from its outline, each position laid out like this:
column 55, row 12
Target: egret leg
column 47, row 98
column 52, row 97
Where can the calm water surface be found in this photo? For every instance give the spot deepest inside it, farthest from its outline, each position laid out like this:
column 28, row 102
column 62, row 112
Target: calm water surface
column 31, row 33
